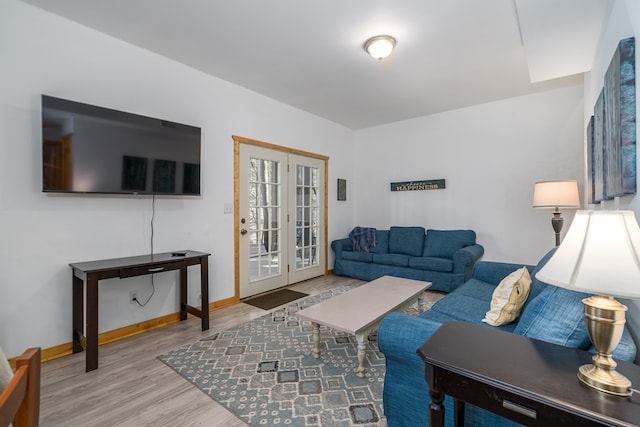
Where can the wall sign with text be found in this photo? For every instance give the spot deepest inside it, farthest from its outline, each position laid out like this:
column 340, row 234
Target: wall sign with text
column 432, row 184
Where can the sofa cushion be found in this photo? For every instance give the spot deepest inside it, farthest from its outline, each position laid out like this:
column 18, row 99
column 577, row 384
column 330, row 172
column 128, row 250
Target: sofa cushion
column 399, row 260
column 476, row 289
column 461, row 307
column 382, row 242
column 444, row 243
column 508, row 298
column 432, row 264
column 357, row 256
column 406, row 240
column 437, row 316
column 555, row 316
column 538, row 286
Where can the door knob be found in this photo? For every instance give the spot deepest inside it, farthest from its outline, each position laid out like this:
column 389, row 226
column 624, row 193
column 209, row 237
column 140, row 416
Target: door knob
column 243, row 231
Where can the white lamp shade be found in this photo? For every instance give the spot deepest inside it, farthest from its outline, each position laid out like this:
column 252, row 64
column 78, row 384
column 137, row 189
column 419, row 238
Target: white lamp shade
column 599, row 255
column 380, row 46
column 556, row 194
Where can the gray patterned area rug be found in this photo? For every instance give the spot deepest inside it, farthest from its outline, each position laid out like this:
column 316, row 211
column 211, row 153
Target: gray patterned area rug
column 264, row 371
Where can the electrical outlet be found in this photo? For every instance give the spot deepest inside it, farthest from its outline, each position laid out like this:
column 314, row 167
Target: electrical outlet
column 133, row 297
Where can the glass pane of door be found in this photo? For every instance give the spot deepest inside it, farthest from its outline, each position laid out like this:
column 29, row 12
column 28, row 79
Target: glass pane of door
column 265, row 218
column 307, row 221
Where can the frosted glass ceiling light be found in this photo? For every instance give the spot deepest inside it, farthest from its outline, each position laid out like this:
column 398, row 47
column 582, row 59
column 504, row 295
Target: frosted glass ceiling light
column 380, row 47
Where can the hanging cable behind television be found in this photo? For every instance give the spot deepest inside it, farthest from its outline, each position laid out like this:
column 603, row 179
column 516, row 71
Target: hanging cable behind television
column 153, row 286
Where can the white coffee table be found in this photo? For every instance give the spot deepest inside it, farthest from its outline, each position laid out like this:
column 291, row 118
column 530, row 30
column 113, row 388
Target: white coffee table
column 359, row 311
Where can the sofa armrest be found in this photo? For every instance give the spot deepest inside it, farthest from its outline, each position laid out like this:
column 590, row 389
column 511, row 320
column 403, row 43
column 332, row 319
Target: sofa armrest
column 338, row 246
column 400, row 336
column 493, row 272
column 341, row 244
column 465, row 258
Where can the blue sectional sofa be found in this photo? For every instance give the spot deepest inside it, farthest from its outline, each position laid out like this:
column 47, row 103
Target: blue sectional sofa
column 549, row 314
column 443, row 257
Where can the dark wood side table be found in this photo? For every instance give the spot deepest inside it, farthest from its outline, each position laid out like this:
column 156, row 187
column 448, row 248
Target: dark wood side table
column 528, row 381
column 93, row 271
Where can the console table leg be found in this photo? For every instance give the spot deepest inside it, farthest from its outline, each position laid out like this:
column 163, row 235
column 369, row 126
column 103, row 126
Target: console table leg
column 362, row 347
column 92, row 323
column 78, row 313
column 436, row 408
column 204, row 292
column 316, row 339
column 183, row 294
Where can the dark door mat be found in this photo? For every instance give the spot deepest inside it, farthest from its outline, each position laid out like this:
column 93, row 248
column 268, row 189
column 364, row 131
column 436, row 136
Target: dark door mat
column 274, row 299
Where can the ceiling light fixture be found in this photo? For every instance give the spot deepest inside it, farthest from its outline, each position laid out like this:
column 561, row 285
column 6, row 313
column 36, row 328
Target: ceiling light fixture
column 380, row 47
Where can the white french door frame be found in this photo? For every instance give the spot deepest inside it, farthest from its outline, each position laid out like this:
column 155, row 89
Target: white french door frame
column 238, row 140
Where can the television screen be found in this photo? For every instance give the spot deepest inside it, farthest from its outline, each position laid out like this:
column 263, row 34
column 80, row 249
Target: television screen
column 90, row 149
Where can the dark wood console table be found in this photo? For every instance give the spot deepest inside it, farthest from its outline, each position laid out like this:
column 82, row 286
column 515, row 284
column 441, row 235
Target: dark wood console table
column 93, row 271
column 528, row 381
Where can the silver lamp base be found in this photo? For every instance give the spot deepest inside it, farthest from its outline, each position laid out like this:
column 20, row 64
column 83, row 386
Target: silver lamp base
column 605, row 319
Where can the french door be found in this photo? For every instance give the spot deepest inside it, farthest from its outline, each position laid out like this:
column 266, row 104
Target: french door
column 306, row 217
column 280, row 218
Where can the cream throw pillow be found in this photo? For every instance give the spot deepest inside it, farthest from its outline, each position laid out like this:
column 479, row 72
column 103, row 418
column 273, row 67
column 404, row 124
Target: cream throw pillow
column 5, row 371
column 508, row 298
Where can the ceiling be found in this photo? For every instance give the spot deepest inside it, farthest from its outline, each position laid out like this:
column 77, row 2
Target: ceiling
column 308, row 53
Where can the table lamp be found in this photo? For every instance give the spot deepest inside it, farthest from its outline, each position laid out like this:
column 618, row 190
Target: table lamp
column 600, row 255
column 556, row 194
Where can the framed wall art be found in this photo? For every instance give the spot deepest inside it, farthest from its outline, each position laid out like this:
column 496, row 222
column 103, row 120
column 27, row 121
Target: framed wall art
column 611, row 138
column 342, row 189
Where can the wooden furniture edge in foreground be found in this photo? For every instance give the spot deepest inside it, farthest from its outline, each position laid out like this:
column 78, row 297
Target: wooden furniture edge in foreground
column 20, row 400
column 534, row 383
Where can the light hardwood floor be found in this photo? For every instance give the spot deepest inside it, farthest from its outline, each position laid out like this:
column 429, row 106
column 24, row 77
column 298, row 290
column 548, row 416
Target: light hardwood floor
column 132, row 388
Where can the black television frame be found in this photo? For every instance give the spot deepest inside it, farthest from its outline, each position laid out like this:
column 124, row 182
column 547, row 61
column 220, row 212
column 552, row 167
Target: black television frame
column 164, row 159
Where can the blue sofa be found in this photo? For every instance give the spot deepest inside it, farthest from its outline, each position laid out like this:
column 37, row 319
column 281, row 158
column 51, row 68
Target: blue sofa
column 549, row 314
column 443, row 257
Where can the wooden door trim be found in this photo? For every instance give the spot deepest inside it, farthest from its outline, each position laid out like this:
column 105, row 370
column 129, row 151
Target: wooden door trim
column 237, row 140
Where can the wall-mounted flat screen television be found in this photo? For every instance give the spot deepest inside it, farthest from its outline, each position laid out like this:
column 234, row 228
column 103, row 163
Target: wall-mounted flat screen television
column 91, row 149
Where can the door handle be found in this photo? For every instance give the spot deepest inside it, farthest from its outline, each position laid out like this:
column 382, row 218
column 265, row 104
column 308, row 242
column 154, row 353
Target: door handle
column 243, row 231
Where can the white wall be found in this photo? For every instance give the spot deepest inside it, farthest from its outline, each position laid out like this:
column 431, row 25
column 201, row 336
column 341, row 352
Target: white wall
column 490, row 155
column 40, row 233
column 623, row 22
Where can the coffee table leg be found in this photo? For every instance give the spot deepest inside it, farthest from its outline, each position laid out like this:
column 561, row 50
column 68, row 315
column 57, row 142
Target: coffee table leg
column 420, row 304
column 362, row 346
column 316, row 339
